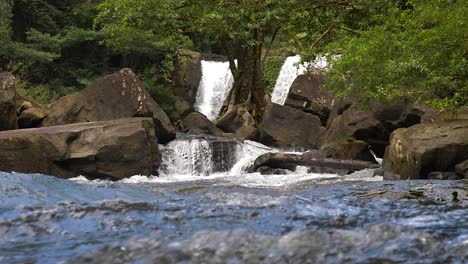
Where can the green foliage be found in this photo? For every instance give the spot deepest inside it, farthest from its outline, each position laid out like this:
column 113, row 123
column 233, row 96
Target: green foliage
column 271, row 69
column 157, row 82
column 144, row 27
column 41, row 93
column 5, row 20
column 418, row 53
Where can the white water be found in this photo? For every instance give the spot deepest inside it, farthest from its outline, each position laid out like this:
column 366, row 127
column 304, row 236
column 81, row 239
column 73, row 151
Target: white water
column 194, row 159
column 214, row 87
column 289, row 72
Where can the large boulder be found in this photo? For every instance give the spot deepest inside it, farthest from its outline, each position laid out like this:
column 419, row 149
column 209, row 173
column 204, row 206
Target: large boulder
column 373, row 126
column 286, row 126
column 305, row 94
column 118, row 95
column 198, row 123
column 348, row 150
column 416, row 151
column 188, row 72
column 238, row 121
column 8, row 116
column 108, row 149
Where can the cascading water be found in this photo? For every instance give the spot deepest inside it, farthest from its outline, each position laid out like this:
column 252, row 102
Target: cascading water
column 214, row 87
column 289, row 72
column 192, row 155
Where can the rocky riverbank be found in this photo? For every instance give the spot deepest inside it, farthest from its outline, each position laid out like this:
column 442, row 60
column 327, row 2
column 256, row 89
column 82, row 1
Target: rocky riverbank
column 412, row 139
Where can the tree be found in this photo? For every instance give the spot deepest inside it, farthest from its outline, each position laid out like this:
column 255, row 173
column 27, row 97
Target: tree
column 417, row 50
column 247, row 29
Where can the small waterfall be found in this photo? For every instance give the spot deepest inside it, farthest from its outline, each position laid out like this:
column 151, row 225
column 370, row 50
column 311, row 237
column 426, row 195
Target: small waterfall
column 214, row 87
column 289, row 72
column 198, row 156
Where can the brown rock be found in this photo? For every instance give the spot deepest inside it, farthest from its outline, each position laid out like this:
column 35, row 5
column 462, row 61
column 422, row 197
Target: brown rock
column 238, row 120
column 462, row 169
column 108, row 149
column 348, row 150
column 416, row 151
column 373, row 126
column 285, row 126
column 198, row 123
column 118, row 95
column 305, row 95
column 31, row 117
column 8, row 117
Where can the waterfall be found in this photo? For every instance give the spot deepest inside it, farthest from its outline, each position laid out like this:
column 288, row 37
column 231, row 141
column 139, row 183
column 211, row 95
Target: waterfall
column 214, row 87
column 190, row 155
column 202, row 156
column 194, row 155
column 289, row 72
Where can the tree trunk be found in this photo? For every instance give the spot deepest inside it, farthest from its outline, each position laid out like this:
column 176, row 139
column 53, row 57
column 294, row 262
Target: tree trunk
column 248, row 88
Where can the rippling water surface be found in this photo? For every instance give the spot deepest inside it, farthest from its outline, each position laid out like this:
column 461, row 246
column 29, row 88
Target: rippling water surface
column 232, row 219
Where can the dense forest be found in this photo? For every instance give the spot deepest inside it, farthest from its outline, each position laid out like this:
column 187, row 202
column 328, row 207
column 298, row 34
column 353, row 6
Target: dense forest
column 378, row 49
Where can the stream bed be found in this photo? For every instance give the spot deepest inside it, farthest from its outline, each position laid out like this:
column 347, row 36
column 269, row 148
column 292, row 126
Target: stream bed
column 232, row 219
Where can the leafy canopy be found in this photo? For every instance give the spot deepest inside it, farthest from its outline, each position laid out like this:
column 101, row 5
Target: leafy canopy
column 419, row 52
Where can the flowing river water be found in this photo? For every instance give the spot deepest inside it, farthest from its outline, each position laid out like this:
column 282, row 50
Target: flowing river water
column 211, row 213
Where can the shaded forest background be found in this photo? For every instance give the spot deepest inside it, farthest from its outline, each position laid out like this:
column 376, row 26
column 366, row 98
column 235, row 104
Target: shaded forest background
column 380, row 50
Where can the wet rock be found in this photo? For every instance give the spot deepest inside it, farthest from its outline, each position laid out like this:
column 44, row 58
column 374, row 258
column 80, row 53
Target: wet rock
column 118, row 95
column 306, row 95
column 238, row 121
column 8, row 117
column 347, row 150
column 108, row 149
column 462, row 169
column 31, row 117
column 290, row 161
column 198, row 123
column 265, row 170
column 286, row 126
column 416, row 151
column 373, row 126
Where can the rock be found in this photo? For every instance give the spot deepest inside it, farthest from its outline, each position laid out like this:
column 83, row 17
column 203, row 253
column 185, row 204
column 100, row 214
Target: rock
column 315, row 164
column 348, row 150
column 188, row 72
column 24, row 103
column 198, row 123
column 285, row 126
column 462, row 169
column 305, row 95
column 108, row 149
column 118, row 95
column 443, row 175
column 265, row 170
column 416, row 151
column 238, row 120
column 373, row 127
column 31, row 117
column 460, row 113
column 8, row 117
